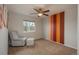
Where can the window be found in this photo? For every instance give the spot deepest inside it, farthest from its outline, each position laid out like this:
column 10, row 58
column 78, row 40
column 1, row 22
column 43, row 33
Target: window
column 29, row 26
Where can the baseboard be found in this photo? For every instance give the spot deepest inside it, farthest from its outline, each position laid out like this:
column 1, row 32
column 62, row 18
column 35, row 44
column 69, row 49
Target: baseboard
column 61, row 44
column 70, row 47
column 39, row 39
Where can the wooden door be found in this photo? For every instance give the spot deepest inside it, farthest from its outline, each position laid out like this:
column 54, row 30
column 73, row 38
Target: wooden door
column 57, row 27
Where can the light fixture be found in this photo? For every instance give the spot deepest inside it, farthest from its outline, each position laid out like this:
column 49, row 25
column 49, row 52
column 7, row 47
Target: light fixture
column 40, row 14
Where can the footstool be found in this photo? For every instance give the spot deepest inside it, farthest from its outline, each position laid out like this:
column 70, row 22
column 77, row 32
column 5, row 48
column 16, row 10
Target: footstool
column 30, row 42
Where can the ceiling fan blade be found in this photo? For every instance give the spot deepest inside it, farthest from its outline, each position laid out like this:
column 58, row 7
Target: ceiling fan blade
column 37, row 10
column 46, row 14
column 46, row 11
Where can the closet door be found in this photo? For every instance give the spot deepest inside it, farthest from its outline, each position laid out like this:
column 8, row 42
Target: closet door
column 62, row 27
column 57, row 27
column 54, row 28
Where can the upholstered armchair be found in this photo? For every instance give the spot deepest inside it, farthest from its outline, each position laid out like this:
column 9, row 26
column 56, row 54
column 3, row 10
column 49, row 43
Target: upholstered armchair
column 17, row 40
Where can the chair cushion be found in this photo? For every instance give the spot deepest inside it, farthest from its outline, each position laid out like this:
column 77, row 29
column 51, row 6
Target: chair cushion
column 15, row 35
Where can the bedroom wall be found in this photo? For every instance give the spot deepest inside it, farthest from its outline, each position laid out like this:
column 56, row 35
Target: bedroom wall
column 15, row 23
column 70, row 32
column 71, row 27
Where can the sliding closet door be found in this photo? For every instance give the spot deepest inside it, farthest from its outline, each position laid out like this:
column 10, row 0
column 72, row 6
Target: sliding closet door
column 54, row 28
column 62, row 27
column 52, row 22
column 57, row 27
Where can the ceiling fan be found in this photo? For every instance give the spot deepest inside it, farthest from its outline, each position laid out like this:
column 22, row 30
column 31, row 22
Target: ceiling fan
column 41, row 12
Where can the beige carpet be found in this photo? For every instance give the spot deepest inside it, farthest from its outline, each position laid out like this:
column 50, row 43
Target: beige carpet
column 43, row 47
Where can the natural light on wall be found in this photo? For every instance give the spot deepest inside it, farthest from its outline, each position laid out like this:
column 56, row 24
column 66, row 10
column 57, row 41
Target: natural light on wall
column 29, row 26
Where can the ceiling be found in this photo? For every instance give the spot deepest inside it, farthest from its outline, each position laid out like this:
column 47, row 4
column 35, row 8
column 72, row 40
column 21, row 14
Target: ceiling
column 26, row 9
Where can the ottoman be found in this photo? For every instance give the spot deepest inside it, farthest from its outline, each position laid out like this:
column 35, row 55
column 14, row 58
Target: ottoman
column 30, row 42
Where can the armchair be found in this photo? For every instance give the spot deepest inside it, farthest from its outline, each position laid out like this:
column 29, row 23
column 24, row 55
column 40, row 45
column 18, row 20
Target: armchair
column 17, row 40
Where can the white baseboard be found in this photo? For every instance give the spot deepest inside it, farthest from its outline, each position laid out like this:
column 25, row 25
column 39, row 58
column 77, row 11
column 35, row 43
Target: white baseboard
column 62, row 44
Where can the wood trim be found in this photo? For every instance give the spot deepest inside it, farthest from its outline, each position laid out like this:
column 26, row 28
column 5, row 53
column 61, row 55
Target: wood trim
column 50, row 30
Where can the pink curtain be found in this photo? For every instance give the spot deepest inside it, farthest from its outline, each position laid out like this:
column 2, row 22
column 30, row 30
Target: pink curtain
column 2, row 23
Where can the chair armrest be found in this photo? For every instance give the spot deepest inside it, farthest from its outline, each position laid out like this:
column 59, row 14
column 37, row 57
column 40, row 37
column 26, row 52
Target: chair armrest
column 19, row 39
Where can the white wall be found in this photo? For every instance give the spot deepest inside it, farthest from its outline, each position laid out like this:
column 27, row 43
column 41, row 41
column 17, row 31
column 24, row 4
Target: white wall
column 71, row 27
column 16, row 23
column 46, row 28
column 3, row 41
column 70, row 33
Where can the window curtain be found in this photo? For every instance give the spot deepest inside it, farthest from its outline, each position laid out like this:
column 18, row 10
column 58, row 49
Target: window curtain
column 3, row 16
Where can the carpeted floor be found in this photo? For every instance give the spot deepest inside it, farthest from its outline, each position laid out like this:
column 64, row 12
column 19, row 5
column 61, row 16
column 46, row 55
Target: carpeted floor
column 43, row 47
